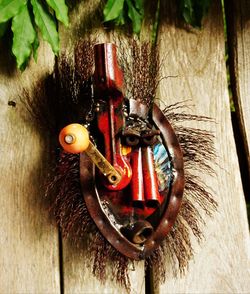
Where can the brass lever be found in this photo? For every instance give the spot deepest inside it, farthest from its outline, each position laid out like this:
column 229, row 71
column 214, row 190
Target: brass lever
column 74, row 138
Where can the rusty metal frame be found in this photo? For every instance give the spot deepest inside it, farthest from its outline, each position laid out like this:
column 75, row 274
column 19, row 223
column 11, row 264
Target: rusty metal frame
column 102, row 220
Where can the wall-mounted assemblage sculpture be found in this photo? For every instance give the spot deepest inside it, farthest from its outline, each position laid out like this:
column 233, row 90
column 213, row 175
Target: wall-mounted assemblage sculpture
column 125, row 181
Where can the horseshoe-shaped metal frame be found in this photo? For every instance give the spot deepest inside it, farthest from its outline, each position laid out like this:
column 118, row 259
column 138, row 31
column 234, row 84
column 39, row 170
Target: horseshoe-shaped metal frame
column 101, row 219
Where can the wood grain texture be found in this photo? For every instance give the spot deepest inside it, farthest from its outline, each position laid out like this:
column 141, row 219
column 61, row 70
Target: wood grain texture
column 239, row 58
column 196, row 57
column 86, row 22
column 29, row 256
column 78, row 277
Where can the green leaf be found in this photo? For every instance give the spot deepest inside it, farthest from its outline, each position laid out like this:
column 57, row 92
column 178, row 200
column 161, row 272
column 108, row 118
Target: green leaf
column 61, row 10
column 3, row 28
column 23, row 37
column 193, row 11
column 46, row 24
column 35, row 46
column 9, row 8
column 139, row 4
column 120, row 20
column 155, row 27
column 187, row 11
column 135, row 16
column 201, row 9
column 113, row 9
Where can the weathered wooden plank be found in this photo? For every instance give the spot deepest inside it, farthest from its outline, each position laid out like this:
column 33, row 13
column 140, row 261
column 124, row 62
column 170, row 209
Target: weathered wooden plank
column 77, row 275
column 29, row 256
column 238, row 17
column 197, row 59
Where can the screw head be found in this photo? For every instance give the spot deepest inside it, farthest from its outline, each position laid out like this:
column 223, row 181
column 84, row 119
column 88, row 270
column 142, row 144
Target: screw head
column 69, row 139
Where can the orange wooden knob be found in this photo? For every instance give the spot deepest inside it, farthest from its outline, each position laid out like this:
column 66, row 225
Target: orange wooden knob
column 74, row 138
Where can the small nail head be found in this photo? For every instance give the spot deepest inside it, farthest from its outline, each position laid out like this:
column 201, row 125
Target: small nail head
column 69, row 139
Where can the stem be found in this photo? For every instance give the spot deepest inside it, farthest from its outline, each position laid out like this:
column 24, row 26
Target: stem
column 155, row 28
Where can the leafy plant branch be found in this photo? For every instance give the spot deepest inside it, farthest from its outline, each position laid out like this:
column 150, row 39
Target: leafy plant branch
column 122, row 12
column 27, row 19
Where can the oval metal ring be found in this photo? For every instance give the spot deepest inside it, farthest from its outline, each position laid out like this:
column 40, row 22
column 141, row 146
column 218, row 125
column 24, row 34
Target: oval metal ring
column 105, row 222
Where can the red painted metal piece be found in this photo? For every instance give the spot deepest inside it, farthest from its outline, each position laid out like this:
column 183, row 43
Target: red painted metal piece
column 108, row 83
column 107, row 75
column 151, row 188
column 137, row 181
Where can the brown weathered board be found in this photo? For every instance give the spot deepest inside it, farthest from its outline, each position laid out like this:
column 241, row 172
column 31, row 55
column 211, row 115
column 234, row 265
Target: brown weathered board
column 29, row 255
column 197, row 58
column 239, row 54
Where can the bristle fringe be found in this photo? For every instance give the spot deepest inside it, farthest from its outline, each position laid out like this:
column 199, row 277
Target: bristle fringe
column 198, row 152
column 71, row 214
column 141, row 67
